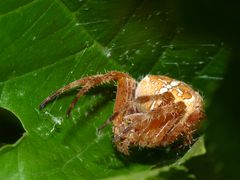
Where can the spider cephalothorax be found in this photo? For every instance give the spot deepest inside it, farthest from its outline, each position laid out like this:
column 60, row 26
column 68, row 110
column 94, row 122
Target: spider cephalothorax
column 154, row 112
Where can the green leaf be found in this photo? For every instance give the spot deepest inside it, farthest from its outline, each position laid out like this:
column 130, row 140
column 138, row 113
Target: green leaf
column 47, row 44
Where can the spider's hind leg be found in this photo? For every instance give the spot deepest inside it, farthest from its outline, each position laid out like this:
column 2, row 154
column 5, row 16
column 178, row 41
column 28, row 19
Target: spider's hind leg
column 80, row 93
column 64, row 89
column 184, row 128
column 91, row 81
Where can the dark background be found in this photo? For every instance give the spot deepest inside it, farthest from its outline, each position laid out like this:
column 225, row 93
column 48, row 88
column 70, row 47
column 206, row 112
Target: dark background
column 223, row 125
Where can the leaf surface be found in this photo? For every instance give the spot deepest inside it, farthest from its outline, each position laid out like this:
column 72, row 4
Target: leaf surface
column 47, row 44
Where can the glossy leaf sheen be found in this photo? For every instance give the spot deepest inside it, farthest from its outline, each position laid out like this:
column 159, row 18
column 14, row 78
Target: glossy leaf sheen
column 46, row 44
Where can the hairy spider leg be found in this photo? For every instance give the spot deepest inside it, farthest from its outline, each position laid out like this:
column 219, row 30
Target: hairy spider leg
column 184, row 129
column 139, row 117
column 159, row 122
column 125, row 82
column 162, row 120
column 81, row 92
column 108, row 121
column 165, row 97
column 64, row 89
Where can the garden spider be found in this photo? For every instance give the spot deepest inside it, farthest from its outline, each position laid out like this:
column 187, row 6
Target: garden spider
column 154, row 112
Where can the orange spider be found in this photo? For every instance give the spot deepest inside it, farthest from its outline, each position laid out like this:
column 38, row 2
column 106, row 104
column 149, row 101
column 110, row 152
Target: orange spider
column 154, row 112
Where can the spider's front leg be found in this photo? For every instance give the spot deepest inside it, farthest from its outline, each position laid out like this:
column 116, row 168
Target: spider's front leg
column 130, row 107
column 125, row 90
column 147, row 129
column 184, row 128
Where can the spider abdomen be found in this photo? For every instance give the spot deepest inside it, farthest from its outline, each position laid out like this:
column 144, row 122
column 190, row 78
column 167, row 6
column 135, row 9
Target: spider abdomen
column 155, row 84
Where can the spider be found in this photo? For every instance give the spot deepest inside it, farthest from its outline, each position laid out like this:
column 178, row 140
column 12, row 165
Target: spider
column 151, row 113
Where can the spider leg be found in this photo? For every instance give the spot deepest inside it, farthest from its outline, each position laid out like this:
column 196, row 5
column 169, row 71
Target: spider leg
column 170, row 116
column 126, row 87
column 81, row 92
column 64, row 89
column 184, row 128
column 130, row 118
column 148, row 129
column 108, row 121
column 165, row 97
